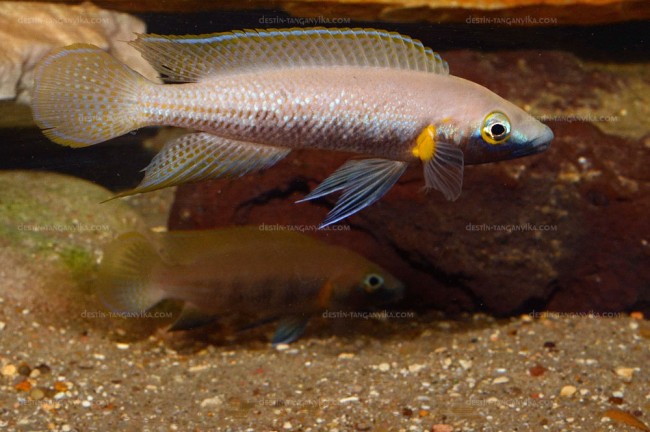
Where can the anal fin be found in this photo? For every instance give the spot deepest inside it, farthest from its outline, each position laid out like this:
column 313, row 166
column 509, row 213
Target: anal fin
column 362, row 181
column 191, row 317
column 201, row 156
column 289, row 329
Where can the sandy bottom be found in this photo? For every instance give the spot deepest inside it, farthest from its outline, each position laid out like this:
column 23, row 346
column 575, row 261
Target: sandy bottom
column 424, row 373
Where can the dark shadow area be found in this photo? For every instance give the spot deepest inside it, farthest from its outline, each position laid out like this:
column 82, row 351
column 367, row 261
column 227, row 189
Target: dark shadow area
column 624, row 42
column 115, row 164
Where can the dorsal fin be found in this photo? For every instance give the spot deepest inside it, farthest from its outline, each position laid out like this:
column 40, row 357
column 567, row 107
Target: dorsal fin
column 194, row 58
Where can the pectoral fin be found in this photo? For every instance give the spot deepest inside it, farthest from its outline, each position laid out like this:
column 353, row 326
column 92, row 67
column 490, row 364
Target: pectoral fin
column 289, row 329
column 201, row 156
column 444, row 171
column 362, row 181
column 190, row 318
column 443, row 163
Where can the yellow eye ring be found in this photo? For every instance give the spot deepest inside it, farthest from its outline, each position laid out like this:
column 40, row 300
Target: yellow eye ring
column 496, row 128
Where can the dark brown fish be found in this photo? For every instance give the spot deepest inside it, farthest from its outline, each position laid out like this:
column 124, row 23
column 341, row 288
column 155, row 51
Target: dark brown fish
column 272, row 274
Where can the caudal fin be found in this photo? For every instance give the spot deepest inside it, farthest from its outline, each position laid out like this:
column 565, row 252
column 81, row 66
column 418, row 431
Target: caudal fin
column 125, row 274
column 83, row 96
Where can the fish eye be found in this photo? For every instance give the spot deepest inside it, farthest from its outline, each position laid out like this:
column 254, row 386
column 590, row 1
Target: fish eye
column 372, row 282
column 496, row 128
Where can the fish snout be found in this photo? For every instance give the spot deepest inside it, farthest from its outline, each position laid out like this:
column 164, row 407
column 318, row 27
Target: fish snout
column 543, row 141
column 394, row 292
column 540, row 142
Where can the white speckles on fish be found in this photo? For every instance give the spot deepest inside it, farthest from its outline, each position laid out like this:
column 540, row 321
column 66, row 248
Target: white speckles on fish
column 255, row 95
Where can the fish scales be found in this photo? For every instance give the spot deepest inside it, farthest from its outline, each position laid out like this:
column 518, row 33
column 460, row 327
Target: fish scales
column 335, row 109
column 254, row 95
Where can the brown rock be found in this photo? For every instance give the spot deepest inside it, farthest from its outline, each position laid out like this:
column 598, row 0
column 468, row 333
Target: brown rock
column 567, row 229
column 30, row 31
column 504, row 12
column 537, row 370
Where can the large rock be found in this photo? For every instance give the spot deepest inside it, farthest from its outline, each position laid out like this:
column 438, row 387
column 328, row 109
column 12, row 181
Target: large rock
column 52, row 231
column 31, row 30
column 337, row 12
column 567, row 229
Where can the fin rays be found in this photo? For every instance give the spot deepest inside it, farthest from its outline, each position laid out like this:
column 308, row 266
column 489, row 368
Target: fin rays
column 84, row 96
column 444, row 171
column 363, row 182
column 194, row 58
column 202, row 156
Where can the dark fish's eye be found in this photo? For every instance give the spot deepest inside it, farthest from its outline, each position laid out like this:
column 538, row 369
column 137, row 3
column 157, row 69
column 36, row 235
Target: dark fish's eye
column 496, row 128
column 372, row 282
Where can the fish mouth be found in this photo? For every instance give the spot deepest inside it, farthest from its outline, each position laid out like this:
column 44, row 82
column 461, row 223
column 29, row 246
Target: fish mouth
column 543, row 141
column 538, row 145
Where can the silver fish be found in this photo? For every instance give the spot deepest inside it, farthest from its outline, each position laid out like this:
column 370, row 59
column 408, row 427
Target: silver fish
column 254, row 95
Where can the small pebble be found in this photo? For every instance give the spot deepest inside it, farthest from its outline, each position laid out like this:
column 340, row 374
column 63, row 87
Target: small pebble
column 384, row 367
column 500, row 380
column 349, row 399
column 637, row 315
column 465, row 364
column 2, row 325
column 35, row 373
column 37, row 394
column 9, row 370
column 415, row 368
column 282, row 347
column 625, row 372
column 24, row 369
column 536, row 371
column 212, row 402
column 60, row 386
column 346, row 355
column 85, row 404
column 44, row 369
column 568, row 391
column 287, row 425
column 23, row 386
column 122, row 346
column 198, row 368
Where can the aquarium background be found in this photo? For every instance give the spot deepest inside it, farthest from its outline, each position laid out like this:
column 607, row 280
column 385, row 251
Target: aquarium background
column 524, row 299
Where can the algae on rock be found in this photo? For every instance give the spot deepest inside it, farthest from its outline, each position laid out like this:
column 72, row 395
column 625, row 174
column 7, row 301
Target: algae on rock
column 52, row 231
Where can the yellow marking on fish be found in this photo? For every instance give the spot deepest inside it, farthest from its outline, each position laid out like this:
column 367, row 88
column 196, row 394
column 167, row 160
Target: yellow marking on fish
column 446, row 120
column 425, row 145
column 325, row 294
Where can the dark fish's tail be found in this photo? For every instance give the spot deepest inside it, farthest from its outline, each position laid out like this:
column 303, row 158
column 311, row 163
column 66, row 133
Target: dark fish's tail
column 125, row 275
column 83, row 96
